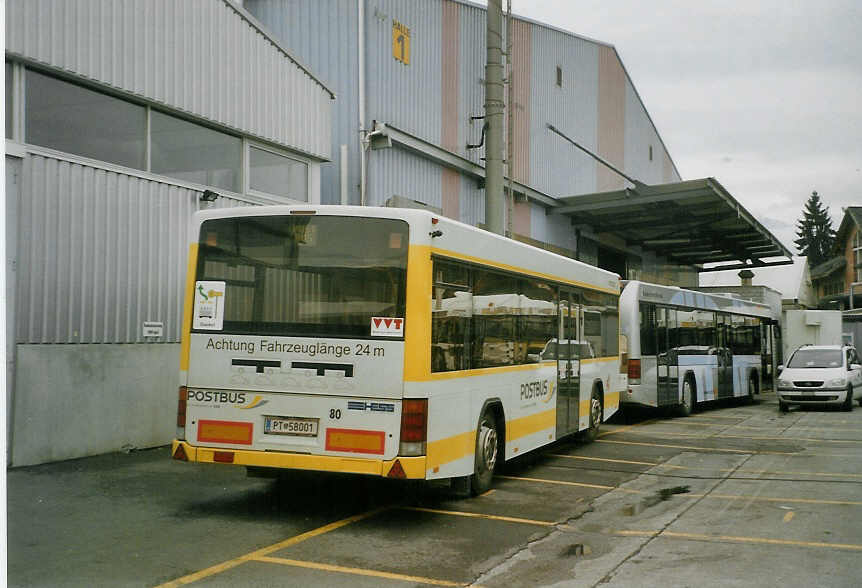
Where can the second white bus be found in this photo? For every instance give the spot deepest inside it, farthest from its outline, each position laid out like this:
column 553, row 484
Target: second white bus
column 686, row 347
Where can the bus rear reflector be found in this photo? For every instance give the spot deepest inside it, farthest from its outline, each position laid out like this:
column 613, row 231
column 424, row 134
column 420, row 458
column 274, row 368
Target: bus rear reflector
column 355, row 441
column 396, row 471
column 634, row 371
column 180, row 453
column 225, row 432
column 414, row 427
column 223, row 456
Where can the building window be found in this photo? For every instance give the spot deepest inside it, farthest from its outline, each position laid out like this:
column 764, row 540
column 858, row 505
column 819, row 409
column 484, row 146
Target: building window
column 9, row 101
column 70, row 118
column 559, row 76
column 275, row 174
column 194, row 153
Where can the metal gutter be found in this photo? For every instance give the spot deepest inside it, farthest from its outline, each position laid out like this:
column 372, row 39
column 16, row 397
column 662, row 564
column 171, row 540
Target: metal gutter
column 453, row 160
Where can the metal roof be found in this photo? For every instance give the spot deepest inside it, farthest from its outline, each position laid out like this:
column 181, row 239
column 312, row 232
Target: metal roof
column 692, row 222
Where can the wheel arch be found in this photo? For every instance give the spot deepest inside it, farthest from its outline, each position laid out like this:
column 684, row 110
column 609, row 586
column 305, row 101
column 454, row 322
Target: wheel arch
column 494, row 406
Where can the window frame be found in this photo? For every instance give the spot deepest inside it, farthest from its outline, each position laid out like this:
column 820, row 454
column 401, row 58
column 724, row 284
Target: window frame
column 245, row 178
column 18, row 145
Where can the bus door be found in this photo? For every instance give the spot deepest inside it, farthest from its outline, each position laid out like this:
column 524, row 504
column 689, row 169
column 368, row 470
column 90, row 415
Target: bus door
column 725, row 358
column 568, row 363
column 666, row 391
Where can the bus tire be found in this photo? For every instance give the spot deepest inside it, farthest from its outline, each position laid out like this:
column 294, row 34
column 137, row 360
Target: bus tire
column 596, row 414
column 688, row 391
column 848, row 400
column 487, row 454
column 752, row 387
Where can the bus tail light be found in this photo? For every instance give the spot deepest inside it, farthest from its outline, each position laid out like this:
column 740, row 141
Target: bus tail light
column 414, row 427
column 181, row 412
column 634, row 371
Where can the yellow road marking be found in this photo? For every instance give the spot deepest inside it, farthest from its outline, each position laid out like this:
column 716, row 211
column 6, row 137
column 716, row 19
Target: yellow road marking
column 751, row 437
column 357, row 571
column 563, row 483
column 606, row 459
column 224, row 566
column 712, row 496
column 476, row 515
column 624, row 429
column 771, row 499
column 735, row 470
column 488, row 493
column 797, row 428
column 693, row 447
column 736, row 539
column 789, row 516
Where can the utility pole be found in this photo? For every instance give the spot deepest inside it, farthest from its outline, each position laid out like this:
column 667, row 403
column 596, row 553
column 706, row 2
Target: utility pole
column 495, row 209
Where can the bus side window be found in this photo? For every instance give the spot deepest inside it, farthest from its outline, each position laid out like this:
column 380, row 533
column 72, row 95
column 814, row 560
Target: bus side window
column 451, row 306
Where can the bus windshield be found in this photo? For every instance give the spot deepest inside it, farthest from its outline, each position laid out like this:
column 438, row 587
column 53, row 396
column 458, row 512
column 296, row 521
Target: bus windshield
column 306, row 274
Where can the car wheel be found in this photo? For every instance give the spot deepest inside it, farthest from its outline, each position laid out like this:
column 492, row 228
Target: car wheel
column 487, row 452
column 596, row 413
column 687, row 405
column 848, row 400
column 783, row 406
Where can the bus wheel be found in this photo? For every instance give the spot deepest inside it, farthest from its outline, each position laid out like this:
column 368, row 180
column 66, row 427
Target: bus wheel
column 596, row 413
column 687, row 404
column 487, row 451
column 752, row 388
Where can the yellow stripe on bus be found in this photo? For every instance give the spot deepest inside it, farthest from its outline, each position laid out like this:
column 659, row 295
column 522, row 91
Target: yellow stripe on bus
column 417, row 334
column 450, row 449
column 521, row 427
column 188, row 303
column 463, row 445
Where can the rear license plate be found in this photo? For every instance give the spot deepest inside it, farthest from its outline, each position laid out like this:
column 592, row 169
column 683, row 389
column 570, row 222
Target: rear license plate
column 298, row 426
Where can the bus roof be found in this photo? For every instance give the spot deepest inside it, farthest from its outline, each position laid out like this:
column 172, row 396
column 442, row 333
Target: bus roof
column 451, row 239
column 675, row 296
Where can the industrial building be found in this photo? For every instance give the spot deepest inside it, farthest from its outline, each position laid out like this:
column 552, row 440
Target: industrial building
column 125, row 118
column 120, row 117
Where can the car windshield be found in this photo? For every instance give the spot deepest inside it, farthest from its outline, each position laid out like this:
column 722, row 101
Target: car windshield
column 554, row 350
column 816, row 358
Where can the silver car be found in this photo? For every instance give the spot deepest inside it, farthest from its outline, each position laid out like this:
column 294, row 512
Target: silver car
column 820, row 374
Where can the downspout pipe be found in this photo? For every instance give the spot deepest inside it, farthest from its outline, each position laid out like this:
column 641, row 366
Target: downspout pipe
column 363, row 143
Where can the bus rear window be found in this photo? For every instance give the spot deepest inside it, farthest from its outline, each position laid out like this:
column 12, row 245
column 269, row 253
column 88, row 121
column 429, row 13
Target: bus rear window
column 306, row 275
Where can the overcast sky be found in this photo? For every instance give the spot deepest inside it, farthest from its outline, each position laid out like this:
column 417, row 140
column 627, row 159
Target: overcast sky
column 763, row 95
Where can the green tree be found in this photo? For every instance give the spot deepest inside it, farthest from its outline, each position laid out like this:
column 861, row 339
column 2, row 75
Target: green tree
column 815, row 232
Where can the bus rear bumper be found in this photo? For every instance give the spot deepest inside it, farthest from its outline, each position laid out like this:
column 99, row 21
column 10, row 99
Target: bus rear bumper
column 412, row 467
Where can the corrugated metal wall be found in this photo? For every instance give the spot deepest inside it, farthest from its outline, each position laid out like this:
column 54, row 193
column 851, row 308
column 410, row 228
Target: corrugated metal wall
column 197, row 56
column 558, row 168
column 323, row 35
column 471, row 88
column 396, row 172
column 405, row 96
column 99, row 253
column 594, row 105
column 611, row 119
column 640, row 137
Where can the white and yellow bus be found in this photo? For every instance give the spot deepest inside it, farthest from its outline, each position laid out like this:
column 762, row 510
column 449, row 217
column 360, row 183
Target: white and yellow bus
column 386, row 342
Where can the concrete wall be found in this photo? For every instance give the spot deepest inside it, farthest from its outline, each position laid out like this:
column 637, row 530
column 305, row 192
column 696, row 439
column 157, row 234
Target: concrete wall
column 78, row 400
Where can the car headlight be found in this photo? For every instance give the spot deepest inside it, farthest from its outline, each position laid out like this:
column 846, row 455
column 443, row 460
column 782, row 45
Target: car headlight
column 836, row 383
column 785, row 383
